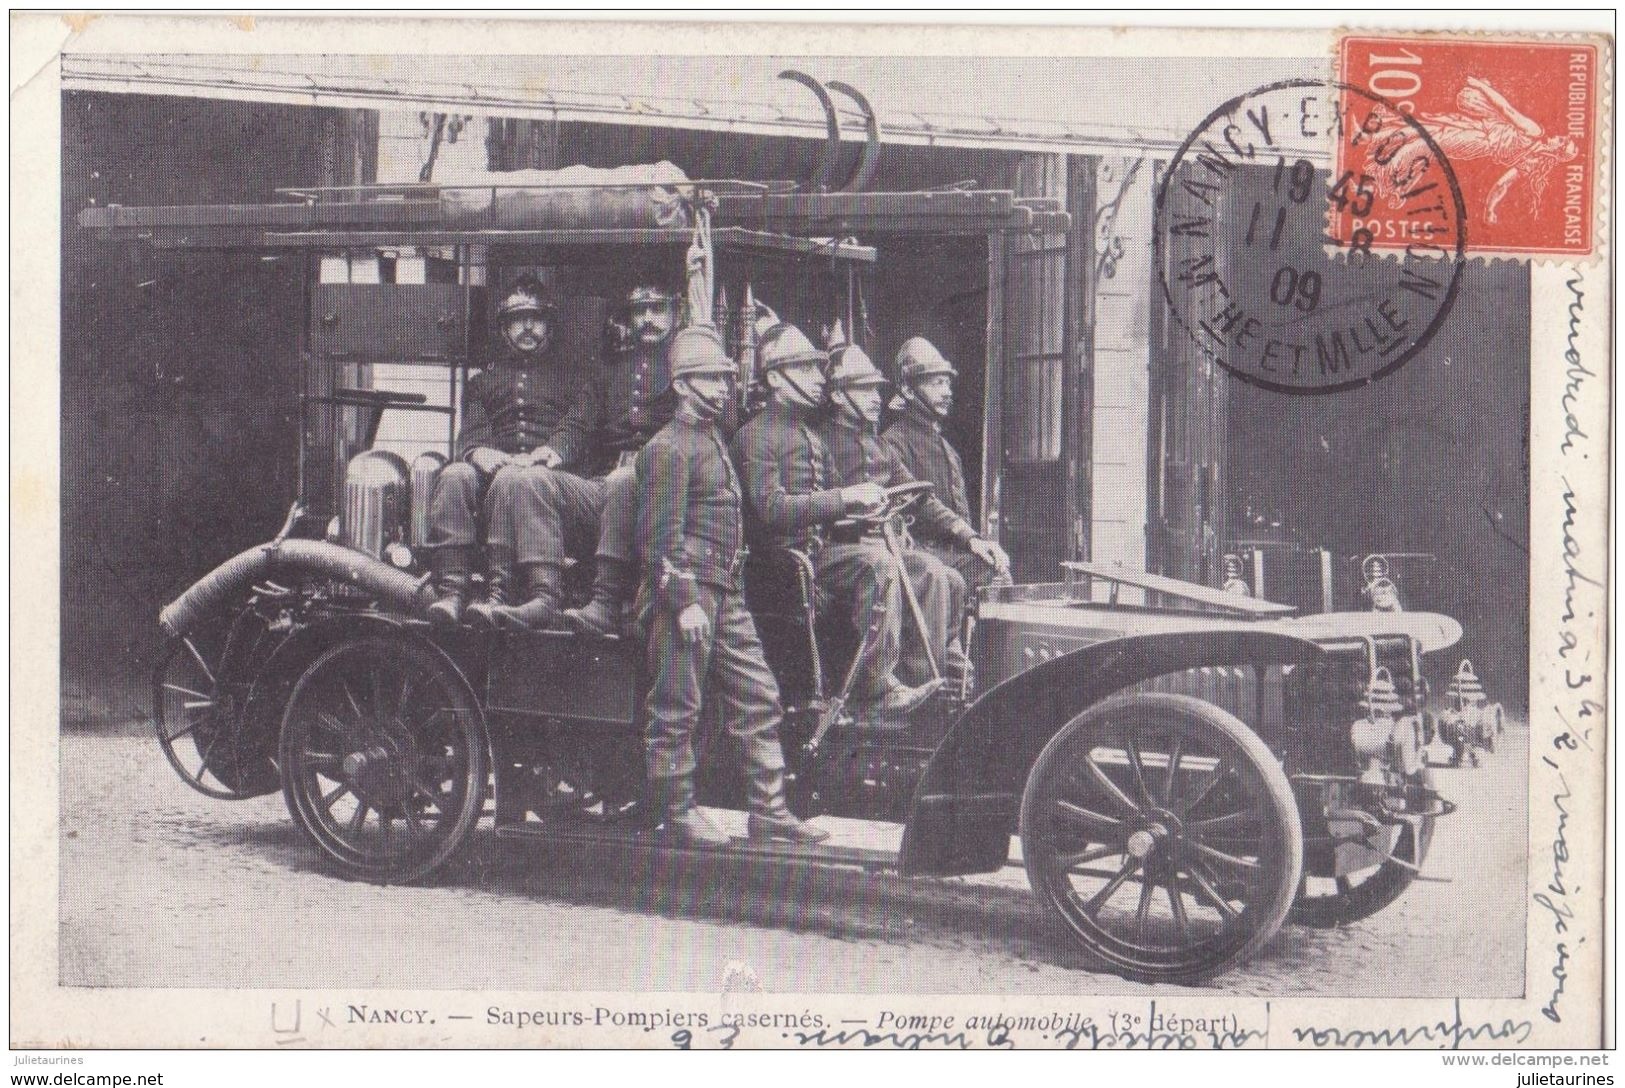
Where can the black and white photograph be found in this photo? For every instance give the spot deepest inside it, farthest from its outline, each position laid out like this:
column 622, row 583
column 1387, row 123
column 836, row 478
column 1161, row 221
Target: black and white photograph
column 598, row 542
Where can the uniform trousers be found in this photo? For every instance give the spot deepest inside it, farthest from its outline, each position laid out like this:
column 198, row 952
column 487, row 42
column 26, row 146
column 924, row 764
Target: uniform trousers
column 544, row 514
column 862, row 578
column 976, row 574
column 941, row 593
column 548, row 514
column 454, row 506
column 727, row 665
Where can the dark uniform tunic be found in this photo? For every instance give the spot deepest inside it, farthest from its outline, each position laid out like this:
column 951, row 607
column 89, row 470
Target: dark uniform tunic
column 860, row 456
column 515, row 409
column 691, row 531
column 916, row 437
column 635, row 386
column 572, row 513
column 794, row 493
column 633, row 404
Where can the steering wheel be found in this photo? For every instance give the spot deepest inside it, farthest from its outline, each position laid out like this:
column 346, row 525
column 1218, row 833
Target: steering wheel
column 898, row 499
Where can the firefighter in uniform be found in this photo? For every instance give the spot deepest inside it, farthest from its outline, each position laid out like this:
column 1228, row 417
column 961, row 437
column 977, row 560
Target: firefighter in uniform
column 570, row 514
column 702, row 640
column 795, row 493
column 859, row 454
column 525, row 408
column 926, row 388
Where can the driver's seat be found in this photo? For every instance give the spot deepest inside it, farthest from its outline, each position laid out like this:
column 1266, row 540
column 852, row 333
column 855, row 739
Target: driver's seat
column 800, row 637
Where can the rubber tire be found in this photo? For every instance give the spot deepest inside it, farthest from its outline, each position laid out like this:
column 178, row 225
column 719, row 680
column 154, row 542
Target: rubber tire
column 1282, row 802
column 477, row 776
column 1376, row 894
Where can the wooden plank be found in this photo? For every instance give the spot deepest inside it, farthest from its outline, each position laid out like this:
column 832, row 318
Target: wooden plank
column 381, row 213
column 945, row 212
column 993, row 390
column 740, row 238
column 344, row 238
column 1173, row 587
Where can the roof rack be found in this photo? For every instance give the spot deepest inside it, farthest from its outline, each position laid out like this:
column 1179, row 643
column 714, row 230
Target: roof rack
column 416, row 214
column 432, row 189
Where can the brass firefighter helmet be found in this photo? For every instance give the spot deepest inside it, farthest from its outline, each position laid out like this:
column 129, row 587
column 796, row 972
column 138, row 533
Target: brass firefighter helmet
column 785, row 345
column 851, row 368
column 698, row 350
column 919, row 359
column 527, row 297
column 652, row 293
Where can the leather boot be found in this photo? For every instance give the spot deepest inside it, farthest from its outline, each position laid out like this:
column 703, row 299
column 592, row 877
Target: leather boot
column 601, row 616
column 680, row 818
column 498, row 577
column 770, row 817
column 451, row 566
column 540, row 610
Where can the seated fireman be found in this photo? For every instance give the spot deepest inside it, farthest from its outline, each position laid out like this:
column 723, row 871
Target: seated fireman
column 795, row 493
column 526, row 408
column 703, row 643
column 860, row 455
column 926, row 389
column 568, row 512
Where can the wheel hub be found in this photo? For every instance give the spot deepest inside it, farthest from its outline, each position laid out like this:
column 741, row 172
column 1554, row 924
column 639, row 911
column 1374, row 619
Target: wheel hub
column 1143, row 842
column 1156, row 842
column 380, row 771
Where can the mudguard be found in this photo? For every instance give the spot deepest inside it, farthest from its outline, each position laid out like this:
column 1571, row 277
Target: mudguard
column 966, row 804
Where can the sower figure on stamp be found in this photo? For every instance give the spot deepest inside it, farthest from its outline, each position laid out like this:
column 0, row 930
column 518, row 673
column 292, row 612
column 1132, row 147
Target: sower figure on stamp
column 925, row 386
column 860, row 455
column 795, row 494
column 572, row 513
column 525, row 408
column 702, row 639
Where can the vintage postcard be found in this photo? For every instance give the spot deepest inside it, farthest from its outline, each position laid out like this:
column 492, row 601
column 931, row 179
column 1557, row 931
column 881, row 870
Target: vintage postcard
column 824, row 536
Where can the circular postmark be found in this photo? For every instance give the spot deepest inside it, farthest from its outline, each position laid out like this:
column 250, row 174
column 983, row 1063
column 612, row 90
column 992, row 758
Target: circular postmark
column 1265, row 237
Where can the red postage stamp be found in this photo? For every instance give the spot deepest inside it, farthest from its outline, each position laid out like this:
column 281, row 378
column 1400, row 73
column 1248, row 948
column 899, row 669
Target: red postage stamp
column 1515, row 120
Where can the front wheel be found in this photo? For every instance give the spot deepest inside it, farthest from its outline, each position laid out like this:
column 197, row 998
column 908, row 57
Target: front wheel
column 1164, row 834
column 1328, row 902
column 384, row 758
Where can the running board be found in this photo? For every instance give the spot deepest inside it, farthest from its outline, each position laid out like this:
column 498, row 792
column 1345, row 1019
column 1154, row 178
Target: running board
column 872, row 861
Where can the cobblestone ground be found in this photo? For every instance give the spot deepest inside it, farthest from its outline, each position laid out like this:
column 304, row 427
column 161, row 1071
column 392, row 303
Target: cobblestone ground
column 164, row 887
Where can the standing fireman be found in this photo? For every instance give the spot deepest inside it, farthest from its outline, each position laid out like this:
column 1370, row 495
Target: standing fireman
column 702, row 639
column 526, row 408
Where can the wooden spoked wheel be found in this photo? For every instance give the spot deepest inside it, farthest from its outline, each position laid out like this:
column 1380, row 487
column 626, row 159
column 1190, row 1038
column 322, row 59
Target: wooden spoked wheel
column 385, row 760
column 203, row 702
column 1164, row 834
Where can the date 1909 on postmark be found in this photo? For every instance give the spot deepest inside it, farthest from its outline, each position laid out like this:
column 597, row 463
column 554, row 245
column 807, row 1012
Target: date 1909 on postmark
column 1517, row 120
column 1252, row 265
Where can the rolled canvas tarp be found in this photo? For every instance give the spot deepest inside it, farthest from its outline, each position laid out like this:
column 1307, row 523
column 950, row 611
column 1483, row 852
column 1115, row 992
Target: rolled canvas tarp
column 574, row 198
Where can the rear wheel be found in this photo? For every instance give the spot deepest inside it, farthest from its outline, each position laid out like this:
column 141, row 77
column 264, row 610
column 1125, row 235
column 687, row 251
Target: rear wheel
column 1164, row 834
column 384, row 758
column 204, row 710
